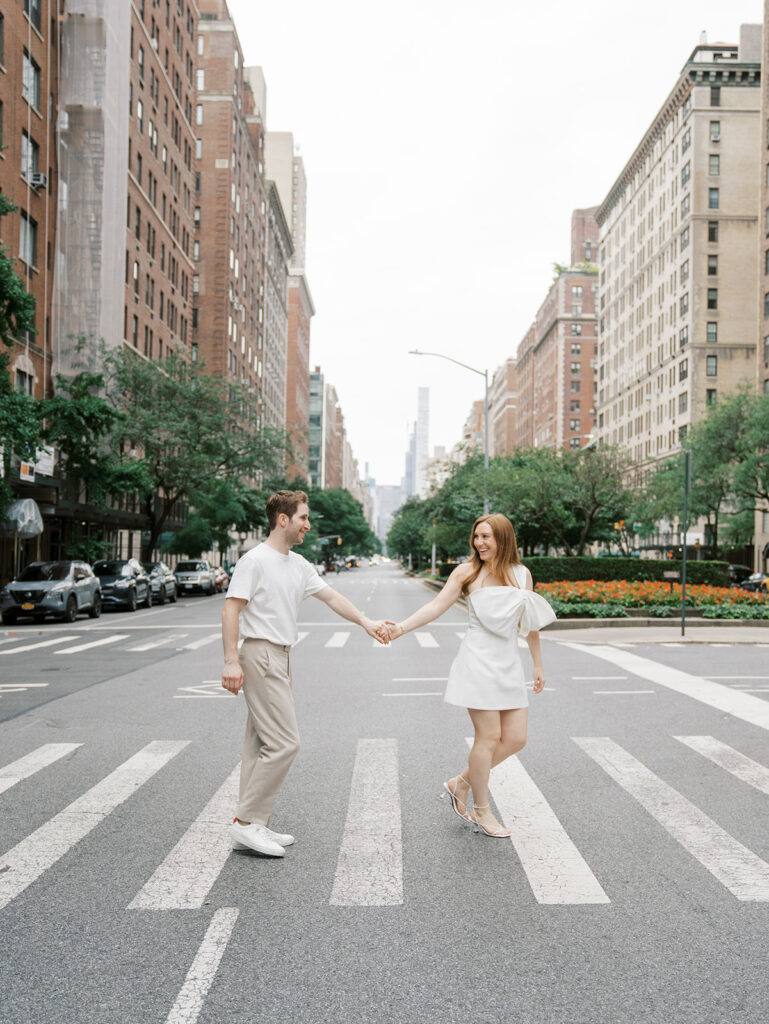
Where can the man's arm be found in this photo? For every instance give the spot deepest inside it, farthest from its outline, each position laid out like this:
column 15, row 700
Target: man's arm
column 346, row 609
column 232, row 673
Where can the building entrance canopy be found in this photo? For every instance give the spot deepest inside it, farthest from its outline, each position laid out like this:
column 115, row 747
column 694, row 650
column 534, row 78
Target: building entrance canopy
column 22, row 517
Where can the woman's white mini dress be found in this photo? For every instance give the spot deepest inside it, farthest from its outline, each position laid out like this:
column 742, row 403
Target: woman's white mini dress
column 487, row 673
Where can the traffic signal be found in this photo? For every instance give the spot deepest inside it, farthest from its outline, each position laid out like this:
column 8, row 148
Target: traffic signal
column 339, row 540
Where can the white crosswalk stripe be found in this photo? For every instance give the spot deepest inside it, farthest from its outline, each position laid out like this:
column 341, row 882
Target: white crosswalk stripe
column 186, row 876
column 102, row 642
column 337, row 639
column 33, row 762
column 24, row 864
column 196, row 644
column 369, row 871
column 556, row 870
column 426, row 640
column 36, row 647
column 165, row 639
column 189, row 1002
column 731, row 760
column 743, row 873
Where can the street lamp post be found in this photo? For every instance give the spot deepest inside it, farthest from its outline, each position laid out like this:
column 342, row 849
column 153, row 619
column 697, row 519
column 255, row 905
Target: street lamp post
column 485, row 375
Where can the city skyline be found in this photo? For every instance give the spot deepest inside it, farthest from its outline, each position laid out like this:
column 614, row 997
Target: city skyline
column 409, row 267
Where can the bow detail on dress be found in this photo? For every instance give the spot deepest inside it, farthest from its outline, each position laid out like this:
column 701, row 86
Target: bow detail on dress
column 503, row 609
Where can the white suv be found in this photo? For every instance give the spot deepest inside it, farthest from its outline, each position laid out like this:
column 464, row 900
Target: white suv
column 197, row 574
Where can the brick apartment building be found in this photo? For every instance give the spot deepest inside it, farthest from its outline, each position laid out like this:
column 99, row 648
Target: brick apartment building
column 28, row 173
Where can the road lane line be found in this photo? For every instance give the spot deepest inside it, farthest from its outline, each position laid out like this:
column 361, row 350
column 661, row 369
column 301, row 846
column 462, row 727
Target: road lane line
column 25, row 862
column 420, row 679
column 716, row 695
column 623, row 691
column 184, row 879
column 369, row 872
column 202, row 642
column 731, row 760
column 94, row 643
column 200, row 976
column 338, row 640
column 598, row 679
column 158, row 643
column 743, row 873
column 557, row 872
column 33, row 762
column 37, row 646
column 461, row 633
column 423, row 693
column 426, row 640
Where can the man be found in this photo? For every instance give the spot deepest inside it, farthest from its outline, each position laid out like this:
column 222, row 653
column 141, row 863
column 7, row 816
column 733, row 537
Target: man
column 268, row 585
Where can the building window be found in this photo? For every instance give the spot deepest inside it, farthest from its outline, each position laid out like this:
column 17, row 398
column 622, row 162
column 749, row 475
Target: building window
column 573, row 424
column 683, row 369
column 712, row 265
column 32, row 10
column 715, row 95
column 712, row 298
column 574, row 443
column 574, row 406
column 30, row 152
column 711, row 366
column 135, row 332
column 683, row 337
column 683, row 401
column 30, row 81
column 714, row 164
column 28, row 240
column 575, row 387
column 683, row 304
column 576, row 367
column 576, row 348
column 576, row 329
column 712, row 230
column 685, row 205
column 588, row 251
column 141, row 63
column 766, row 350
column 136, row 278
column 576, row 293
column 2, row 39
column 710, row 396
column 576, row 310
column 766, row 303
column 684, row 238
column 199, row 114
column 715, row 131
column 686, row 140
column 713, row 200
column 139, row 168
column 686, row 172
column 201, row 79
column 712, row 334
column 684, row 271
column 198, row 149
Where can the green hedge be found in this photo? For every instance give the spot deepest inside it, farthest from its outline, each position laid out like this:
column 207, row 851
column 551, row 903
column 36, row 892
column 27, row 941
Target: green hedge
column 551, row 570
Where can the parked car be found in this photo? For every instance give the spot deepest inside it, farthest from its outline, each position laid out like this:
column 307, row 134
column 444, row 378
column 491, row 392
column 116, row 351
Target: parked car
column 124, row 582
column 63, row 589
column 222, row 578
column 320, row 568
column 758, row 581
column 162, row 581
column 738, row 574
column 197, row 574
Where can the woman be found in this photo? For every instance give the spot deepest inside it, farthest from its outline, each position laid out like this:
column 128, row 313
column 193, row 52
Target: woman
column 487, row 675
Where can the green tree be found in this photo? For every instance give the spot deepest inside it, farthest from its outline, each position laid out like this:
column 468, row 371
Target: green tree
column 333, row 510
column 409, row 530
column 187, row 429
column 751, row 476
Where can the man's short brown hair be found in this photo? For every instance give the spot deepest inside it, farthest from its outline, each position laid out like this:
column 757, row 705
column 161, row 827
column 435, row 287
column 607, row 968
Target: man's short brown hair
column 284, row 502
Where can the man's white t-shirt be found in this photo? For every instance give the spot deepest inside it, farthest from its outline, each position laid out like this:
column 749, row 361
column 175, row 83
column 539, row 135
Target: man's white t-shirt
column 274, row 585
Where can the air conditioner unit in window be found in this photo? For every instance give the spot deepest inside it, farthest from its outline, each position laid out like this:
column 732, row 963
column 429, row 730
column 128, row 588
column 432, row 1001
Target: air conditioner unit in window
column 715, row 137
column 38, row 180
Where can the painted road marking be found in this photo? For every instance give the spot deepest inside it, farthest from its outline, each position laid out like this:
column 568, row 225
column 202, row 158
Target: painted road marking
column 369, row 872
column 33, row 762
column 184, row 879
column 202, row 642
column 623, row 691
column 339, row 640
column 420, row 679
column 37, row 646
column 208, row 688
column 556, row 870
column 731, row 760
column 200, row 976
column 424, row 693
column 23, row 864
column 716, row 695
column 20, row 687
column 158, row 643
column 743, row 873
column 94, row 643
column 301, row 636
column 426, row 640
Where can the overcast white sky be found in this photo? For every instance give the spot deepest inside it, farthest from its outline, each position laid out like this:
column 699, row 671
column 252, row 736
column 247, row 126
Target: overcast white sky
column 446, row 145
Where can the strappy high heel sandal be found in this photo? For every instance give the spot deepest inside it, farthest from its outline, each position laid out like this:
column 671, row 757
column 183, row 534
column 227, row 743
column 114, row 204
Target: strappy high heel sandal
column 456, row 803
column 504, row 833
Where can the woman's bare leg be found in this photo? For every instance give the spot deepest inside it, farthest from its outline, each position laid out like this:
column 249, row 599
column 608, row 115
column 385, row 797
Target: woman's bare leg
column 513, row 727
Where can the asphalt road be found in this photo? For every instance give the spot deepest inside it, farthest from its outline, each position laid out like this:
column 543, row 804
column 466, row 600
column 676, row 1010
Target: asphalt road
column 636, row 887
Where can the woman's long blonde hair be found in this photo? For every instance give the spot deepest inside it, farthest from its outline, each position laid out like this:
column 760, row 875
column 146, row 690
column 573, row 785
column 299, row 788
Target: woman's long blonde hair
column 507, row 551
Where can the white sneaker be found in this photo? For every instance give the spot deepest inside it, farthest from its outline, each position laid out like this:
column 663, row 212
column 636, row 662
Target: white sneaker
column 257, row 838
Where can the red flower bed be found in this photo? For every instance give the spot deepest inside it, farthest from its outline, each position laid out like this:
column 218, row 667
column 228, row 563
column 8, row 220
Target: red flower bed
column 643, row 593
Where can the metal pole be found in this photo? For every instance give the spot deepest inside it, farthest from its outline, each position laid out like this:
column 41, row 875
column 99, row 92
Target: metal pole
column 486, row 442
column 432, row 569
column 687, row 480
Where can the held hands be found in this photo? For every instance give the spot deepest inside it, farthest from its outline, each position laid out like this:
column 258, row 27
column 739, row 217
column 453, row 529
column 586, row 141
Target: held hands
column 389, row 630
column 377, row 630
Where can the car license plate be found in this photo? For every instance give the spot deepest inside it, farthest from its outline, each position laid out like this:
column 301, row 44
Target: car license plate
column 27, row 607
column 188, row 586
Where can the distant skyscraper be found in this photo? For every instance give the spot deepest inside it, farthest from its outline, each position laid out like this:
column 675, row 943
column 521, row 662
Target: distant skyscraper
column 415, row 478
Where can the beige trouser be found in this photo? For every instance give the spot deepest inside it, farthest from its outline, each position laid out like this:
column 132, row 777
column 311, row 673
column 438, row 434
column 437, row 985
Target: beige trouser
column 272, row 737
